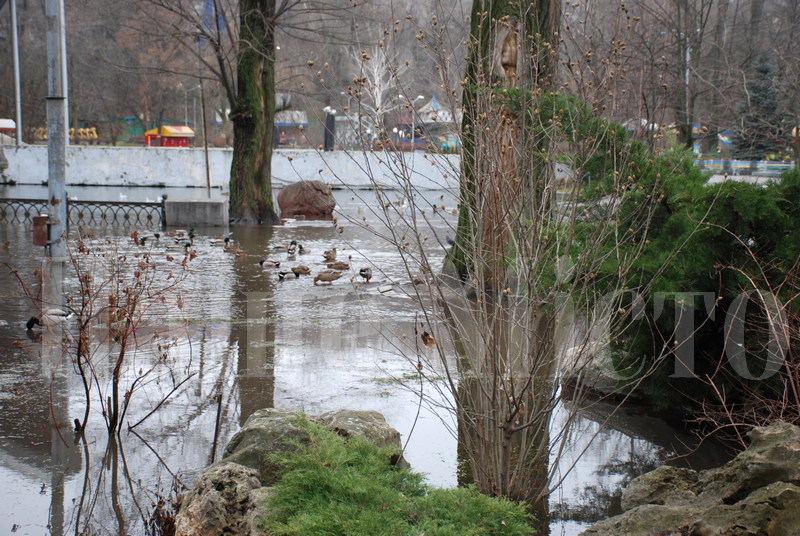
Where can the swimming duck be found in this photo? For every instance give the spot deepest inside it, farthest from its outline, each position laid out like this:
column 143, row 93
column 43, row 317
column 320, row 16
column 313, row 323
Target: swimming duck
column 224, row 241
column 291, row 248
column 49, row 317
column 265, row 263
column 330, row 255
column 328, row 275
column 339, row 265
column 301, row 270
column 366, row 273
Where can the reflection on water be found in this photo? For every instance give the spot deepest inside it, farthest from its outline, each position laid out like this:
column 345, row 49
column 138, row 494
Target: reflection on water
column 251, row 341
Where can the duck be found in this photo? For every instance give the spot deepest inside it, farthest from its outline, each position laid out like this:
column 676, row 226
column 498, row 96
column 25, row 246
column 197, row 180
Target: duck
column 48, row 317
column 265, row 263
column 366, row 273
column 328, row 275
column 330, row 255
column 224, row 241
column 291, row 248
column 301, row 270
column 339, row 265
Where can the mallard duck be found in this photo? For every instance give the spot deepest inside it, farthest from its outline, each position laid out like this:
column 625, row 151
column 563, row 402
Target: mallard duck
column 49, row 317
column 283, row 273
column 339, row 265
column 301, row 270
column 221, row 241
column 328, row 275
column 265, row 263
column 330, row 255
column 366, row 273
column 291, row 248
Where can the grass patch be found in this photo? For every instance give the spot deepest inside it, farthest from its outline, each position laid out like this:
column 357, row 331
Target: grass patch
column 337, row 486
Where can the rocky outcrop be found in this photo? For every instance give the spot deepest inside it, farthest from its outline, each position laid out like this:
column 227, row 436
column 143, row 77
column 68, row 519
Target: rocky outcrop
column 229, row 496
column 757, row 493
column 222, row 500
column 310, row 200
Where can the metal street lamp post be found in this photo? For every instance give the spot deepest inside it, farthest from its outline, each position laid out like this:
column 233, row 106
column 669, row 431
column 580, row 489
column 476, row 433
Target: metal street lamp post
column 413, row 117
column 330, row 128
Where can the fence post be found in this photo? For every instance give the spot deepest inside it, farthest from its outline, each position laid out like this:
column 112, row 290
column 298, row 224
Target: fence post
column 163, row 211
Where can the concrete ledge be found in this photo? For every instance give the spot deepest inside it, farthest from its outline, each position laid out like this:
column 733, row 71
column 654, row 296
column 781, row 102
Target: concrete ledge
column 197, row 213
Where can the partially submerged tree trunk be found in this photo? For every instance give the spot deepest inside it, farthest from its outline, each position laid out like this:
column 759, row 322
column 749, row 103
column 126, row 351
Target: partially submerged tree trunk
column 505, row 328
column 252, row 115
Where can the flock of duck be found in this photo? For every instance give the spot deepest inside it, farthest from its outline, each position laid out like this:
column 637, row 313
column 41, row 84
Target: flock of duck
column 183, row 241
column 335, row 270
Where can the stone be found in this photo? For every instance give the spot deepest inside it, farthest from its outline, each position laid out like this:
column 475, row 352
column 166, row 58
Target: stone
column 265, row 432
column 661, row 486
column 219, row 502
column 756, row 493
column 773, row 510
column 252, row 521
column 368, row 425
column 311, row 200
column 230, row 496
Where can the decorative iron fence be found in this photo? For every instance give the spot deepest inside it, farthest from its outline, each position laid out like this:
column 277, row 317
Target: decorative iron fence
column 21, row 210
column 117, row 213
column 93, row 213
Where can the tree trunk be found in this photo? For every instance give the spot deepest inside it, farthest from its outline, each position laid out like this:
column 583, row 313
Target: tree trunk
column 504, row 329
column 511, row 63
column 253, row 114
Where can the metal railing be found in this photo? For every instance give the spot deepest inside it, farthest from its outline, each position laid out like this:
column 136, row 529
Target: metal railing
column 21, row 210
column 92, row 213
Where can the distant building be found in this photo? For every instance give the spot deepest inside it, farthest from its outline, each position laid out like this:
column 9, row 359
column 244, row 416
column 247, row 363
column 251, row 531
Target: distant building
column 169, row 136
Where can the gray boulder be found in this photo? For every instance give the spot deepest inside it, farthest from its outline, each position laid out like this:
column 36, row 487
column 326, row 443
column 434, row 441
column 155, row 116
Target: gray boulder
column 663, row 485
column 230, row 496
column 267, row 431
column 219, row 503
column 756, row 493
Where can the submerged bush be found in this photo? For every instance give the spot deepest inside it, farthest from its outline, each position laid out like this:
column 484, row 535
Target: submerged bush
column 346, row 486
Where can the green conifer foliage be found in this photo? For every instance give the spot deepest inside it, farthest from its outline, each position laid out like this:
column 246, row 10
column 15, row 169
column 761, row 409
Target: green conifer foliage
column 761, row 117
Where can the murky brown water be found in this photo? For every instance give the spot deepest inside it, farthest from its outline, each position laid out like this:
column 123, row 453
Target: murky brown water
column 256, row 342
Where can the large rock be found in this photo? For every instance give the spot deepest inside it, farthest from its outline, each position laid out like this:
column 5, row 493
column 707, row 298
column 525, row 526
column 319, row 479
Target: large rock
column 229, row 497
column 265, row 432
column 311, row 200
column 663, row 485
column 756, row 493
column 220, row 502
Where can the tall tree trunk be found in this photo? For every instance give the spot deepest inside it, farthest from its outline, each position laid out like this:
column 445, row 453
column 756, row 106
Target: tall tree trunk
column 504, row 329
column 253, row 114
column 511, row 63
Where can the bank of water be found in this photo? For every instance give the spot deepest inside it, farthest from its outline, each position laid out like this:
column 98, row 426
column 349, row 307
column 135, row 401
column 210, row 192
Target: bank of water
column 247, row 341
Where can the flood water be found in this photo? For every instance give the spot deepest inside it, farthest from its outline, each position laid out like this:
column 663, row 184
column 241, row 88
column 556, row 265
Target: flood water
column 234, row 332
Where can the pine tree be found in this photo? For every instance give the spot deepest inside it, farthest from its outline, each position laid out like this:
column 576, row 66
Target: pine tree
column 759, row 133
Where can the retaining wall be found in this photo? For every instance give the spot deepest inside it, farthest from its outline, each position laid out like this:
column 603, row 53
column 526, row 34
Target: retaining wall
column 165, row 167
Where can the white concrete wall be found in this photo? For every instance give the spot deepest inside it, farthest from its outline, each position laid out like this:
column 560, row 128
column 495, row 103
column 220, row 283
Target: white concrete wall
column 185, row 167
